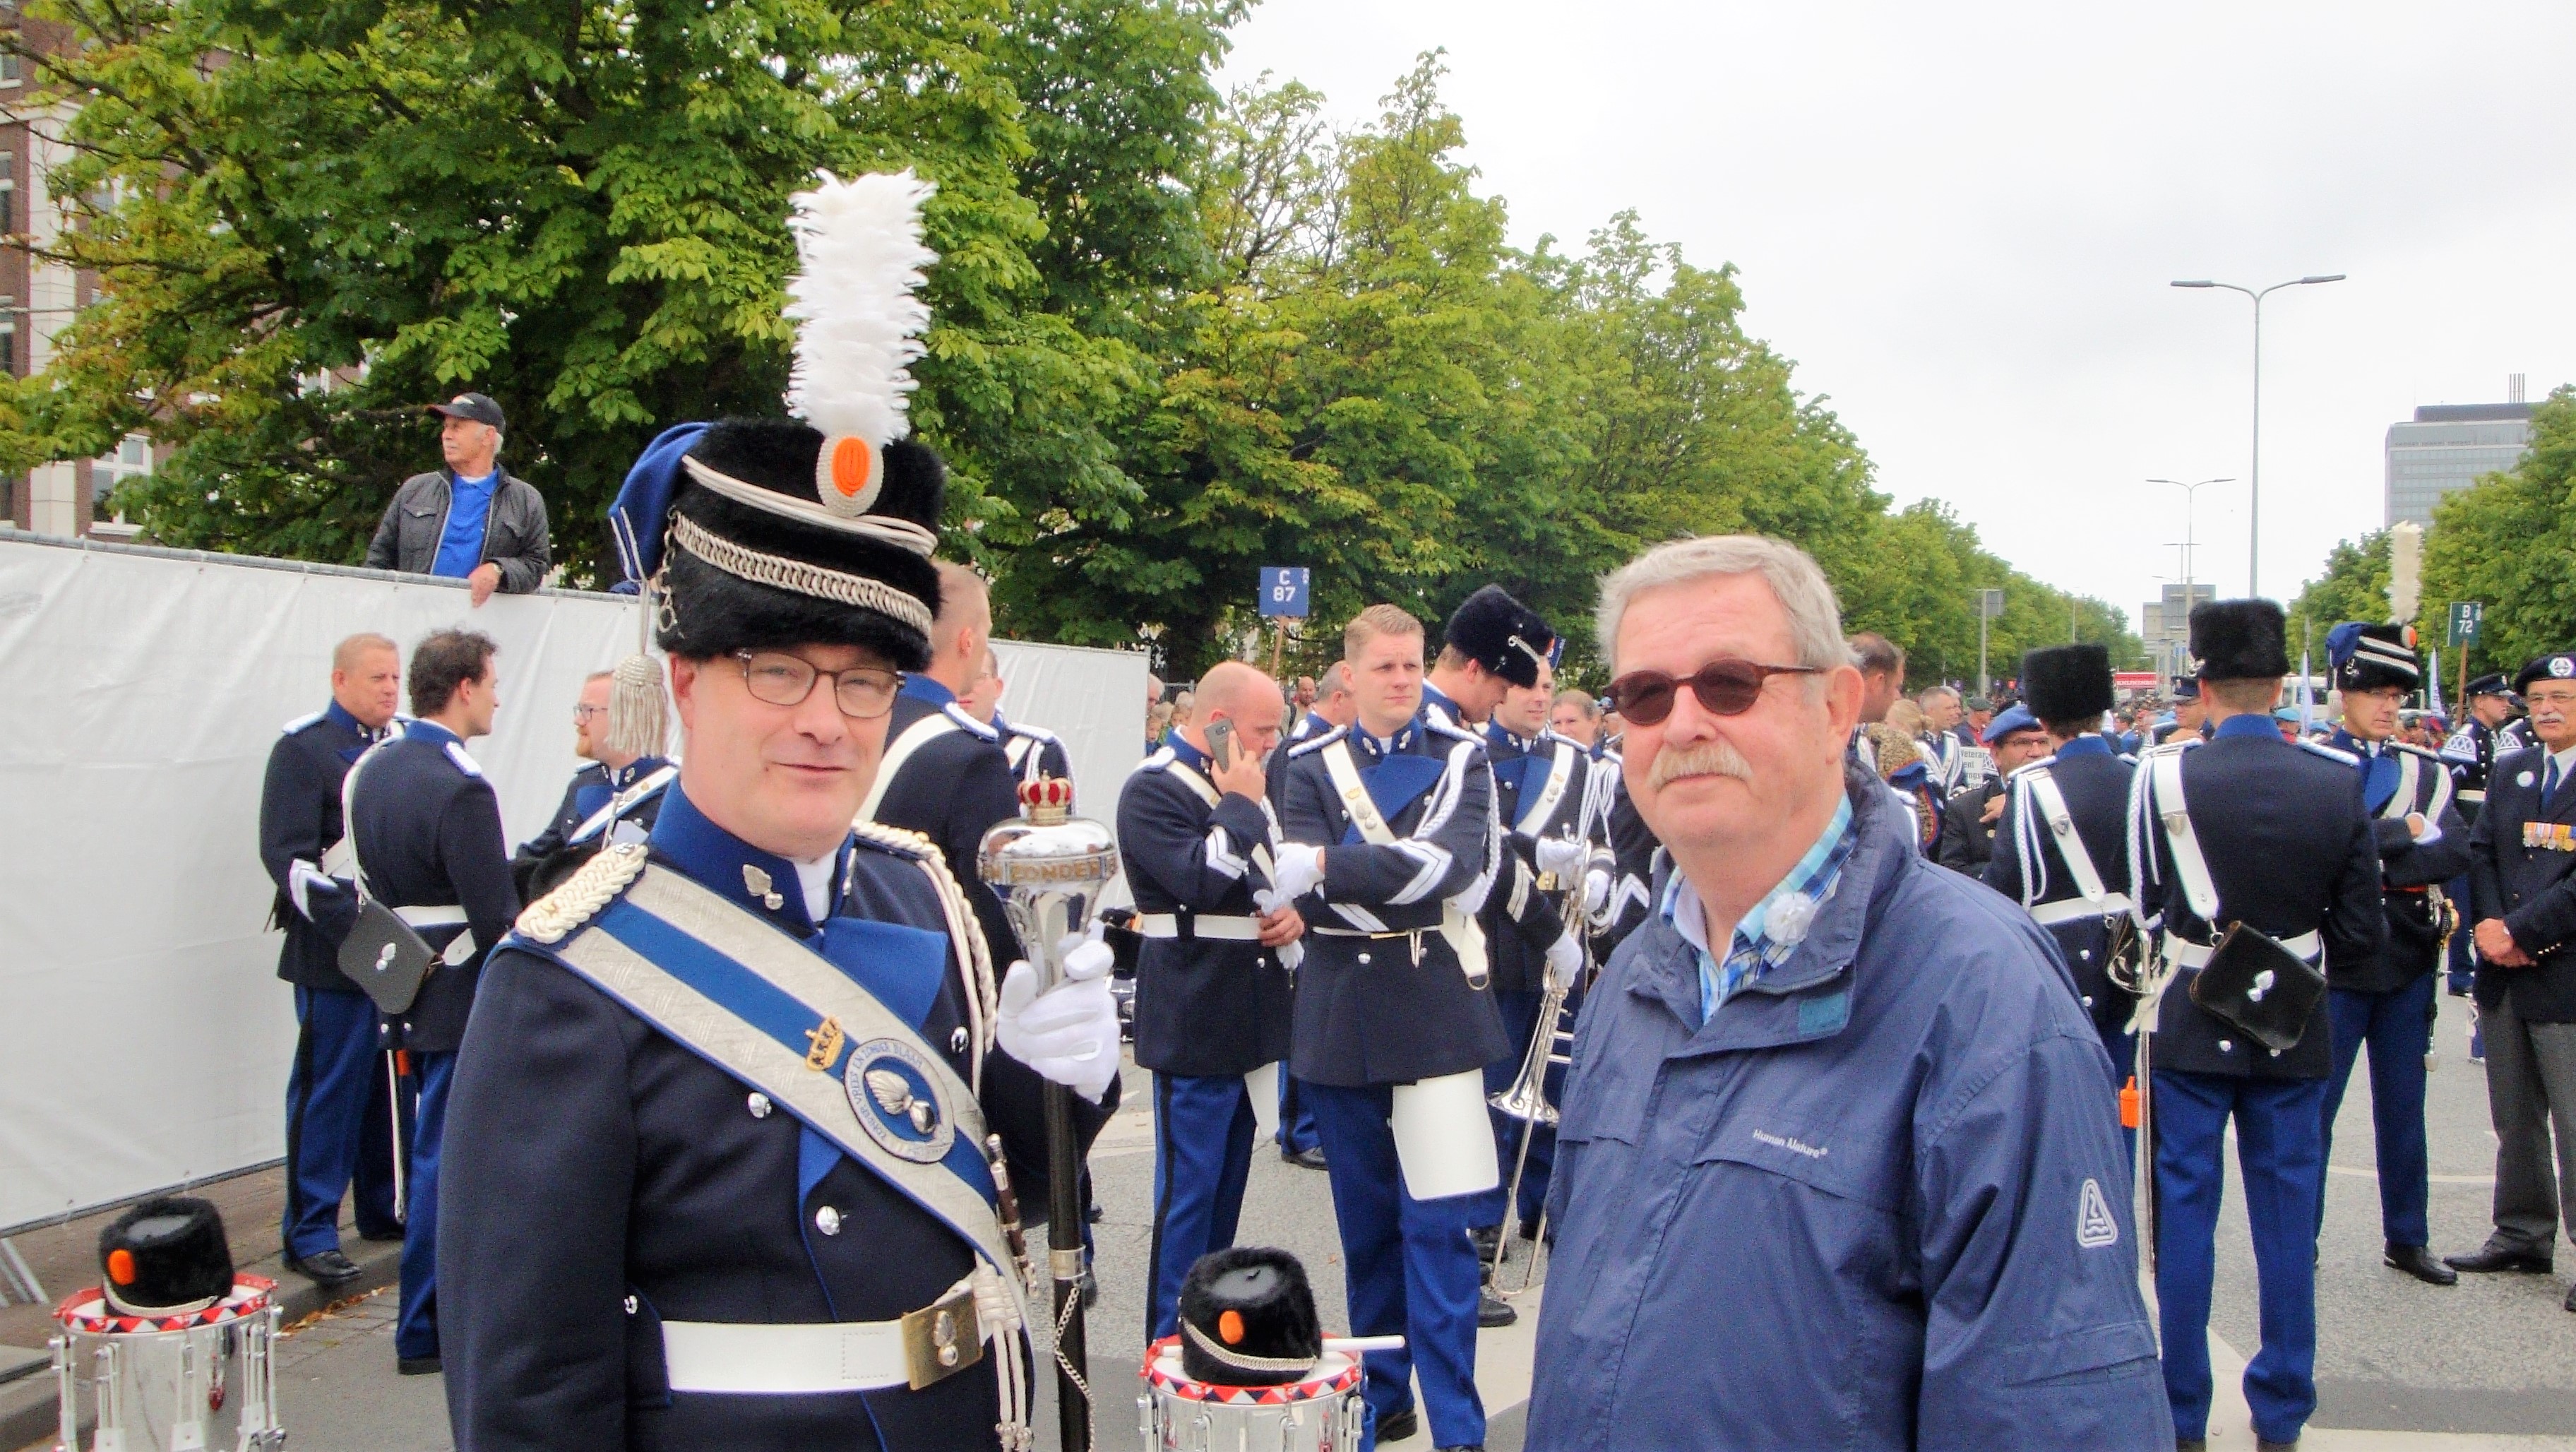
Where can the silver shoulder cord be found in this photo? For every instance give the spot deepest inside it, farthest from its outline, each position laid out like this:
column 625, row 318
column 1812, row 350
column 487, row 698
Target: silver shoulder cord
column 974, row 955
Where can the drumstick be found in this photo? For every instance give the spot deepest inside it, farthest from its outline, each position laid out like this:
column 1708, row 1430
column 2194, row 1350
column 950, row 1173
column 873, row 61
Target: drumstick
column 1354, row 1345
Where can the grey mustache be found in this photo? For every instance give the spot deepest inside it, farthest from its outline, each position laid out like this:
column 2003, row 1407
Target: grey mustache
column 1716, row 758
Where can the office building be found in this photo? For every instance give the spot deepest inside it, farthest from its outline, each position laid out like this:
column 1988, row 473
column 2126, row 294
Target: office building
column 2164, row 624
column 2450, row 446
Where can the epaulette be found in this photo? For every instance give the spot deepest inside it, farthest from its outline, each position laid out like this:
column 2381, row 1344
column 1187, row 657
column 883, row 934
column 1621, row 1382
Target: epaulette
column 2330, row 753
column 609, row 872
column 1034, row 733
column 1163, row 756
column 1445, row 728
column 957, row 713
column 1611, row 754
column 2434, row 757
column 301, row 722
column 2181, row 741
column 901, row 842
column 464, row 763
column 1316, row 743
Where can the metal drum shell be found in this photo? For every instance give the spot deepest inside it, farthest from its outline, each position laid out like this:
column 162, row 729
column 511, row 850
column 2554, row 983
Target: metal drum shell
column 199, row 1380
column 1322, row 1413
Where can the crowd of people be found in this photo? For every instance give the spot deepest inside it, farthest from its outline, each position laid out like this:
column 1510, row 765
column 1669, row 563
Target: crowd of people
column 1884, row 1041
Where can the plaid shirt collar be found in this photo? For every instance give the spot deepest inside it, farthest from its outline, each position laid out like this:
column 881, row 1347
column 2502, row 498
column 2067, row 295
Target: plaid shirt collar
column 1769, row 933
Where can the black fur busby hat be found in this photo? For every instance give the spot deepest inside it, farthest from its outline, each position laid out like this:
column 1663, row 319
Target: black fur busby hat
column 2239, row 640
column 166, row 1257
column 750, row 533
column 2067, row 682
column 1502, row 635
column 1248, row 1319
column 2367, row 657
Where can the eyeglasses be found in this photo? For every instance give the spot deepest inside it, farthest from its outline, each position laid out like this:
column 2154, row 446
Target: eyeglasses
column 1724, row 688
column 2559, row 699
column 585, row 712
column 774, row 676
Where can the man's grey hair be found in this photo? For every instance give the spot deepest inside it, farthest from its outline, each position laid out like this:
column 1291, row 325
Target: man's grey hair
column 1926, row 698
column 1805, row 596
column 1335, row 681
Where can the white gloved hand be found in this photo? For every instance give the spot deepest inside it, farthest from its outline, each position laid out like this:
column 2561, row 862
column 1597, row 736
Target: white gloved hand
column 1562, row 855
column 304, row 881
column 1596, row 890
column 1565, row 958
column 1068, row 1034
column 1295, row 870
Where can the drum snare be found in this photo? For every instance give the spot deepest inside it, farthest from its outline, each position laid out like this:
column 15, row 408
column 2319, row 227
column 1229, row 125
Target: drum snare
column 170, row 1383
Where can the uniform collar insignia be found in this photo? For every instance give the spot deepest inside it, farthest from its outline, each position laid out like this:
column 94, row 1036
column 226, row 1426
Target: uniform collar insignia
column 685, row 840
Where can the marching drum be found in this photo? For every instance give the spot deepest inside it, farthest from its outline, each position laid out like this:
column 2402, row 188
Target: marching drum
column 1322, row 1412
column 175, row 1383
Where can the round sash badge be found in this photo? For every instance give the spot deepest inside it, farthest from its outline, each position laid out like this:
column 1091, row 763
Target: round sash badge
column 893, row 1091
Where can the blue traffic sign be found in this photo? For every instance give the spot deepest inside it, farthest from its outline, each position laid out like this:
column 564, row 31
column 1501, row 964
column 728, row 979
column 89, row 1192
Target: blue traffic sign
column 1283, row 591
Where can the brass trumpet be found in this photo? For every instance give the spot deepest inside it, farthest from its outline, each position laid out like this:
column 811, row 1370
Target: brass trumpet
column 1551, row 1044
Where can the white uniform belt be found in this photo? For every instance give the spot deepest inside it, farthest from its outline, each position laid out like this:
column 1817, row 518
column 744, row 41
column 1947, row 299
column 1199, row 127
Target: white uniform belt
column 1366, row 933
column 450, row 916
column 810, row 1358
column 2472, row 794
column 2074, row 909
column 2196, row 955
column 1202, row 925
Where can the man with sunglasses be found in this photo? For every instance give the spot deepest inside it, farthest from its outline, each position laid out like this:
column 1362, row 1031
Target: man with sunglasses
column 717, row 1169
column 1838, row 1162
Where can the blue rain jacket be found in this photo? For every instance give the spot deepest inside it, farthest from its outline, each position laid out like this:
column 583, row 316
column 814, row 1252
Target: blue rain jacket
column 1879, row 1200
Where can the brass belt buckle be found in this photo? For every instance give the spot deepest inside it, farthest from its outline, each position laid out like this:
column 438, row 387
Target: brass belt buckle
column 941, row 1339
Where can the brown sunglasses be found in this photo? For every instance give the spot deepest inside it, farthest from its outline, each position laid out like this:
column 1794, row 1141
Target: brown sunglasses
column 1724, row 687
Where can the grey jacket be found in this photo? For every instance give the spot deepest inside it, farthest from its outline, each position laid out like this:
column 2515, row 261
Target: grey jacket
column 514, row 533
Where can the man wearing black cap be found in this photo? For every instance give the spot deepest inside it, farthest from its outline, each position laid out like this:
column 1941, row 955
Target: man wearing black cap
column 717, row 1171
column 2489, row 728
column 2247, row 838
column 2388, row 1004
column 2060, row 846
column 470, row 519
column 2522, row 877
column 1972, row 815
column 2189, row 719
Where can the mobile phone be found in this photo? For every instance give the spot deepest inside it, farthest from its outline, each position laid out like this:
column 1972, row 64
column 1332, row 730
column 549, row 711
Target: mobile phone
column 1220, row 735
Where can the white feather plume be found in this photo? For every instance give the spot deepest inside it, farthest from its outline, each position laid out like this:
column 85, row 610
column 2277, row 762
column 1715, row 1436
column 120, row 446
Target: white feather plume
column 859, row 322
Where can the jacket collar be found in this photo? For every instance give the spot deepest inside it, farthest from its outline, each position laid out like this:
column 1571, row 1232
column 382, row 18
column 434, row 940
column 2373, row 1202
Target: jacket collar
column 636, row 770
column 2252, row 723
column 1809, row 995
column 2087, row 744
column 920, row 687
column 733, row 869
column 431, row 732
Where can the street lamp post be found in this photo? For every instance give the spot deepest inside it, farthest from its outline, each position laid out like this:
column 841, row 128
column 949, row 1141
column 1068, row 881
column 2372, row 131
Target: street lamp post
column 2190, row 499
column 2254, row 498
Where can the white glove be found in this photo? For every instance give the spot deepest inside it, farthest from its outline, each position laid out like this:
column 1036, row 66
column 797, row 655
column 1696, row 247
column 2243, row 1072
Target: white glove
column 1596, row 891
column 1068, row 1034
column 1295, row 870
column 1562, row 855
column 1565, row 958
column 303, row 880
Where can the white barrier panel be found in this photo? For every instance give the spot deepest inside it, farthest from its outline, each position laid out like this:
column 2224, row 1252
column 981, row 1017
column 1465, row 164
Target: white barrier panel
column 144, row 1036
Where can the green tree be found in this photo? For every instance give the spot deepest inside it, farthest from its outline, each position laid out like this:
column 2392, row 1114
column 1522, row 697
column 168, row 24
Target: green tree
column 2509, row 542
column 2354, row 587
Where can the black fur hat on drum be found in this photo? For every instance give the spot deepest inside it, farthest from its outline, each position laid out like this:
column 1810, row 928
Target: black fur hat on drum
column 1248, row 1319
column 2066, row 683
column 754, row 533
column 166, row 1257
column 2239, row 640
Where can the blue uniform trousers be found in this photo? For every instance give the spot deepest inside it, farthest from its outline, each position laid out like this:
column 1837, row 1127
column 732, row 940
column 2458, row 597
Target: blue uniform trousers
column 339, row 1124
column 416, row 1323
column 1202, row 1155
column 1520, row 1015
column 2463, row 962
column 1408, row 1267
column 2393, row 1025
column 2279, row 1151
column 1296, row 1118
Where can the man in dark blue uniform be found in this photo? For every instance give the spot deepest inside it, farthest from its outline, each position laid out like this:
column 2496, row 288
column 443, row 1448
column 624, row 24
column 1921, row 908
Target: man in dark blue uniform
column 2388, row 1004
column 2189, row 719
column 2246, row 830
column 1390, row 846
column 1540, row 779
column 1970, row 818
column 1033, row 751
column 339, row 1096
column 718, row 1170
column 426, row 831
column 2061, row 846
column 2487, row 707
column 2522, row 876
column 612, row 799
column 1212, row 994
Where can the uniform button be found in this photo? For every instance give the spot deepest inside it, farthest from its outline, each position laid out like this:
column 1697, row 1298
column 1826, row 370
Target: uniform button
column 630, row 1305
column 828, row 1220
column 2087, row 956
column 1364, row 957
column 758, row 1104
column 957, row 1040
column 2227, row 1046
column 2088, row 1000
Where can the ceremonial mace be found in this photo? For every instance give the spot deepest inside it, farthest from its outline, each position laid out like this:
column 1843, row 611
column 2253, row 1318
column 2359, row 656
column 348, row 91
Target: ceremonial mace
column 1049, row 867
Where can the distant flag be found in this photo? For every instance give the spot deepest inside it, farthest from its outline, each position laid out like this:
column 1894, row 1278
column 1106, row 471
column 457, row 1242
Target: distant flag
column 2307, row 696
column 2433, row 683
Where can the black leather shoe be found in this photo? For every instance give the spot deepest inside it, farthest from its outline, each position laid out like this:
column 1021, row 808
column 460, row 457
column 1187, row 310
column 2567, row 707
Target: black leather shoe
column 1464, row 1447
column 326, row 1268
column 2191, row 1444
column 1489, row 1242
column 1310, row 1158
column 1493, row 1311
column 2494, row 1257
column 2571, row 1298
column 2418, row 1262
column 2266, row 1444
column 419, row 1365
column 383, row 1237
column 1398, row 1427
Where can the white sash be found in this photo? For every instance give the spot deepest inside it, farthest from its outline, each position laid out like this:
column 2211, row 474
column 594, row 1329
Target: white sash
column 915, row 736
column 1466, row 938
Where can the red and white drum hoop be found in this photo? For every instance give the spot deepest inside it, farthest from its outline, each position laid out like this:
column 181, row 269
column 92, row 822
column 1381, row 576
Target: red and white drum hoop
column 1336, row 1374
column 88, row 1311
column 1320, row 1412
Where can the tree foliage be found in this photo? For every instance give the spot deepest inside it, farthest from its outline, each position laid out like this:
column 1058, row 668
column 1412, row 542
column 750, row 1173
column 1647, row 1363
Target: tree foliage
column 2509, row 542
column 1177, row 336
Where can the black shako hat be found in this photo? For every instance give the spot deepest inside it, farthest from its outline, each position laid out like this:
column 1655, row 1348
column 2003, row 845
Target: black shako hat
column 2239, row 640
column 166, row 1257
column 1248, row 1319
column 753, row 533
column 2556, row 666
column 1502, row 635
column 2067, row 682
column 2367, row 657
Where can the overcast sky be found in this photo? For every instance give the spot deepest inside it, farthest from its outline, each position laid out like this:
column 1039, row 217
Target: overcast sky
column 1960, row 222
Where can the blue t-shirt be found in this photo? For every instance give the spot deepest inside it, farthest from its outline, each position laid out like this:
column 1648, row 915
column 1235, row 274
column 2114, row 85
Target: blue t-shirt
column 469, row 503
